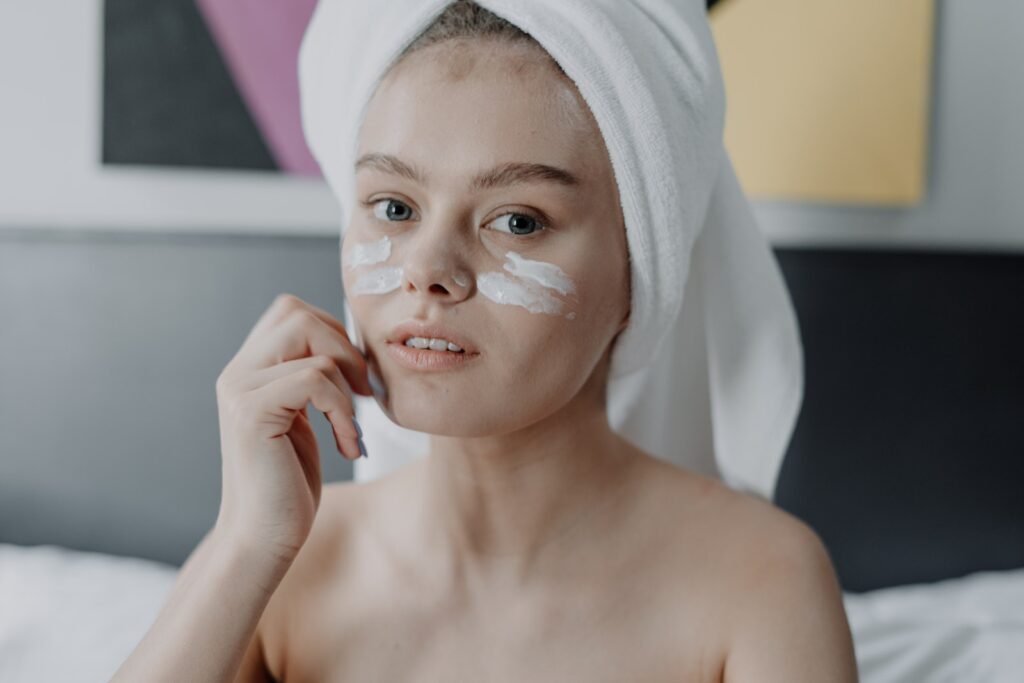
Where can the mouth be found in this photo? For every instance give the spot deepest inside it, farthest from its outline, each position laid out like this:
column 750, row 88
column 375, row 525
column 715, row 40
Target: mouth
column 433, row 338
column 430, row 347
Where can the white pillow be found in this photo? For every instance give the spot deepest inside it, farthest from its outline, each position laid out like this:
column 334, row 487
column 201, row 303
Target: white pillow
column 70, row 615
column 953, row 631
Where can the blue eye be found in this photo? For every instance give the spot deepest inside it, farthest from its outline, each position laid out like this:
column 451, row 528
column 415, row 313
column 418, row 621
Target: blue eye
column 520, row 224
column 390, row 210
column 389, row 213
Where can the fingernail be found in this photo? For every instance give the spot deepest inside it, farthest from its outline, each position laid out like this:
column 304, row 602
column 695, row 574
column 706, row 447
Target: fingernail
column 362, row 448
column 359, row 430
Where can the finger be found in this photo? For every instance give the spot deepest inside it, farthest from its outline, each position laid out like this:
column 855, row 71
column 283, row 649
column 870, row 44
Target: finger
column 301, row 334
column 325, row 364
column 347, row 446
column 283, row 306
column 275, row 313
column 278, row 402
column 337, row 325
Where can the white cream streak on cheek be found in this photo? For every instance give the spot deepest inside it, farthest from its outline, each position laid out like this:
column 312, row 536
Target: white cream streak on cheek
column 532, row 293
column 378, row 281
column 547, row 274
column 368, row 253
column 502, row 289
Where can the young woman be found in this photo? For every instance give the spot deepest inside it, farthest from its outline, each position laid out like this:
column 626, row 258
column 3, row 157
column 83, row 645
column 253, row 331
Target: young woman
column 533, row 542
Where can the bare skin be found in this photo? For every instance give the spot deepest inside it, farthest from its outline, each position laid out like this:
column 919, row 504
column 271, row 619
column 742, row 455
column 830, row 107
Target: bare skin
column 533, row 542
column 369, row 599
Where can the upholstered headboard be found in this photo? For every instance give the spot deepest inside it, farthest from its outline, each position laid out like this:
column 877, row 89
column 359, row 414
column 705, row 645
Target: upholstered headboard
column 908, row 455
column 110, row 347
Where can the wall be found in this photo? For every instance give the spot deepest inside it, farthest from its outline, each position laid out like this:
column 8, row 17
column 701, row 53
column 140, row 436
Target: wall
column 50, row 58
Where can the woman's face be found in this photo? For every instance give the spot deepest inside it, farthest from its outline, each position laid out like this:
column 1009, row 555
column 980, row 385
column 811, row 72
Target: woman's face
column 529, row 269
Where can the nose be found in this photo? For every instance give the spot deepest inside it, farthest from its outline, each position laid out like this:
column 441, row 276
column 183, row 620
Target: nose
column 434, row 266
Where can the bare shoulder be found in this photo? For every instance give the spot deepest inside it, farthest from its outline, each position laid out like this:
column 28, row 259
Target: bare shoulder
column 745, row 541
column 787, row 621
column 773, row 595
column 758, row 540
column 717, row 512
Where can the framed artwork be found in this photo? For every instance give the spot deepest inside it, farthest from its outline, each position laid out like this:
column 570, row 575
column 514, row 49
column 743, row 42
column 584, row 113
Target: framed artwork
column 168, row 115
column 828, row 101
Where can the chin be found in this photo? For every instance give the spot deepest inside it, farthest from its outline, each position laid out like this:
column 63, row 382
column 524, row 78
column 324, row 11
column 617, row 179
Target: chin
column 437, row 417
column 432, row 421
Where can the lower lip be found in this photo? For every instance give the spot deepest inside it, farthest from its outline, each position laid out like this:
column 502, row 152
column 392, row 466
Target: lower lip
column 424, row 359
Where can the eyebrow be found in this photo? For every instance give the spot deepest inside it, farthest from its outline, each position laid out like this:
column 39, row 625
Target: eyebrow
column 509, row 173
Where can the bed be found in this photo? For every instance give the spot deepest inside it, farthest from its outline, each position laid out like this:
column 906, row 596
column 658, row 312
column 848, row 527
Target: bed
column 906, row 460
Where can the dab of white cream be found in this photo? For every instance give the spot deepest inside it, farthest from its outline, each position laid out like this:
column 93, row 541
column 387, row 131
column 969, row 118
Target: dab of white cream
column 532, row 292
column 502, row 289
column 378, row 281
column 547, row 274
column 368, row 253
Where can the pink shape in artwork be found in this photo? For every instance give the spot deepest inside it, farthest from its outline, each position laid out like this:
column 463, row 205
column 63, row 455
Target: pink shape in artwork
column 259, row 42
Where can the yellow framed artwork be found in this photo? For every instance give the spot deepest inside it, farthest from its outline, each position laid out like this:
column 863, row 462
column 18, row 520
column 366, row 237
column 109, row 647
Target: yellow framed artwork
column 828, row 100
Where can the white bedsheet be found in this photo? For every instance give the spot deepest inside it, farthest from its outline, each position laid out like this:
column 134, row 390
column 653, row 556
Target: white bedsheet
column 964, row 630
column 68, row 615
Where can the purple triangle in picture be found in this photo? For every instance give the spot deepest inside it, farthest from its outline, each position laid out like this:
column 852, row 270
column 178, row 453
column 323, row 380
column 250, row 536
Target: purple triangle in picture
column 259, row 42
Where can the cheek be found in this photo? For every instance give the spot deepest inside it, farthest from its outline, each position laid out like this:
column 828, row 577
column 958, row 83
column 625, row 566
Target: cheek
column 539, row 287
column 366, row 268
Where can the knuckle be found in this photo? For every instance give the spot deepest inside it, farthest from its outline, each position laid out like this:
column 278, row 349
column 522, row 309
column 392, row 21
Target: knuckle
column 311, row 374
column 323, row 363
column 301, row 317
column 286, row 300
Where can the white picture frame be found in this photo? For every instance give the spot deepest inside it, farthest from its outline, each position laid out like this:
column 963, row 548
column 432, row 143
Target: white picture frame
column 51, row 175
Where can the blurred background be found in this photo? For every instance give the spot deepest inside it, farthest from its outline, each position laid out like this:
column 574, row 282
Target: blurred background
column 156, row 195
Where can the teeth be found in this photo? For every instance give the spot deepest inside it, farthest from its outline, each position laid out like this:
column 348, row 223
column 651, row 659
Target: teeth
column 433, row 344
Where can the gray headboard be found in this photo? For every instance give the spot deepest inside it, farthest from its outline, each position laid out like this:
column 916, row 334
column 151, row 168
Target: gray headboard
column 110, row 346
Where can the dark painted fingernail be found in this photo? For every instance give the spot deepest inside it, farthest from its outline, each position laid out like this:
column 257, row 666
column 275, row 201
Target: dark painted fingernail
column 362, row 448
column 359, row 430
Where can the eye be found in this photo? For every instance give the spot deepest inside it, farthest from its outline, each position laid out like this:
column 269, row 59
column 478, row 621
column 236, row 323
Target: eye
column 519, row 224
column 393, row 209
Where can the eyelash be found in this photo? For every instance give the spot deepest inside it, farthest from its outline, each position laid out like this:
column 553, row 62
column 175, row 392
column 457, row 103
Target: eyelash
column 541, row 222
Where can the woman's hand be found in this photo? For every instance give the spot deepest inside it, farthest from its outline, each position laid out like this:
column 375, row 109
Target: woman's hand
column 296, row 353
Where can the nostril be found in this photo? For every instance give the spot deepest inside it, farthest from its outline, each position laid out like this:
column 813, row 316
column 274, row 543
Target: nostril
column 438, row 289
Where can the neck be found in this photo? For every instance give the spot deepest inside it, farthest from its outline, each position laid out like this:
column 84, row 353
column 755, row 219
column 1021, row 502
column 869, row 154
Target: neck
column 506, row 503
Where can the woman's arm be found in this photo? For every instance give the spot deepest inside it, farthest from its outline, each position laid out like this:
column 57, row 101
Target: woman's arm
column 793, row 626
column 206, row 626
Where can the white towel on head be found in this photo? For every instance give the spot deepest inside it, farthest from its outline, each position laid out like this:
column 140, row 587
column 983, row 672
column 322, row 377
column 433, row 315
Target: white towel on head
column 712, row 381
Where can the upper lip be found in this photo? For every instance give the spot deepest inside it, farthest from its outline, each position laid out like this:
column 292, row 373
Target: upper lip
column 413, row 328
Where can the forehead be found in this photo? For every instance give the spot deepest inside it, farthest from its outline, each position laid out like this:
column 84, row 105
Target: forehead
column 477, row 103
